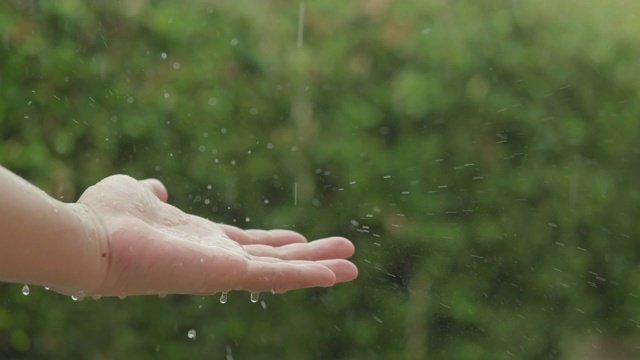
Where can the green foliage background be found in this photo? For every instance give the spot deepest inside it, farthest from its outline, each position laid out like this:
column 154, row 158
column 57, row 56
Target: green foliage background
column 481, row 155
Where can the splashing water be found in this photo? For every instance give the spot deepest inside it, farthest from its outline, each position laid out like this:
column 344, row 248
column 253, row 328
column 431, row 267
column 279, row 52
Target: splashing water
column 25, row 290
column 223, row 297
column 255, row 296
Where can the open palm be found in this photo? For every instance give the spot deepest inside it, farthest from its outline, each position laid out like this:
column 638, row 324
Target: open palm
column 155, row 248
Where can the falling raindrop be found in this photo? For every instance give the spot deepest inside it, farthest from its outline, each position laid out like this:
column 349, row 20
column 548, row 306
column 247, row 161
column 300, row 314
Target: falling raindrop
column 191, row 334
column 223, row 297
column 300, row 25
column 255, row 296
column 25, row 290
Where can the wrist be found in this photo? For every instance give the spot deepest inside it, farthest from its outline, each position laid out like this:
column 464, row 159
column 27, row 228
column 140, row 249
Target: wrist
column 95, row 254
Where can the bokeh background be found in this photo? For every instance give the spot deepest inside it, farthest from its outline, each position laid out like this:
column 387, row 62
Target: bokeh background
column 482, row 155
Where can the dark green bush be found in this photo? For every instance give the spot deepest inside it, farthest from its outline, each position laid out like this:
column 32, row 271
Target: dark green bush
column 481, row 155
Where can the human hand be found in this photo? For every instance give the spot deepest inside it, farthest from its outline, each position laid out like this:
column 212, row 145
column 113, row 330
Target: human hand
column 155, row 248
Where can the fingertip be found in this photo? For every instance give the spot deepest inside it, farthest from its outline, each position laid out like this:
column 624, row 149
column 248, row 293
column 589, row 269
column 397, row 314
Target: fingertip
column 354, row 272
column 317, row 275
column 329, row 278
column 340, row 247
column 343, row 270
column 346, row 246
column 157, row 188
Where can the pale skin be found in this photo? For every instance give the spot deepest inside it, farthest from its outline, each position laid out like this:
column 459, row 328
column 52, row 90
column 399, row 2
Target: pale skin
column 121, row 238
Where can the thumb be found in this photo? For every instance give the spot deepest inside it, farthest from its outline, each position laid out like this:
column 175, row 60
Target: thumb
column 157, row 188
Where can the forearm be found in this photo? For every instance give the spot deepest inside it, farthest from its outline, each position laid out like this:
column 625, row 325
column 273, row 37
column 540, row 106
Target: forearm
column 46, row 242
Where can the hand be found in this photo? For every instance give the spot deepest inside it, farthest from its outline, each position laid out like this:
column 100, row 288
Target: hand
column 155, row 248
